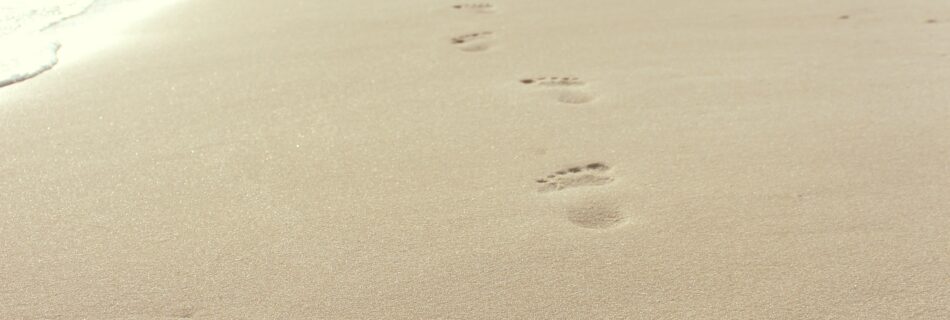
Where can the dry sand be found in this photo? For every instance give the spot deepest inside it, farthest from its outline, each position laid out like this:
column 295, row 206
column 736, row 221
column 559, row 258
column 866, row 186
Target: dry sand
column 732, row 159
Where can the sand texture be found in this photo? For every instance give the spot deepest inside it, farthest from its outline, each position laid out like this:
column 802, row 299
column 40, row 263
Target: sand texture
column 559, row 159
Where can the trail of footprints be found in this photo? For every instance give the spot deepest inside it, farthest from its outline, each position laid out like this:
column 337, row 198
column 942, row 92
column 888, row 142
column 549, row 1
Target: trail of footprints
column 484, row 40
column 590, row 214
column 566, row 89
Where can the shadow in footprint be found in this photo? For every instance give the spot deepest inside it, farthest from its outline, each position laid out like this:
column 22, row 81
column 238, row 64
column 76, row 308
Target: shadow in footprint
column 475, row 7
column 474, row 42
column 593, row 174
column 569, row 97
column 553, row 81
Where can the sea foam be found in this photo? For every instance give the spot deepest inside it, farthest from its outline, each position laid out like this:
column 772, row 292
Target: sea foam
column 22, row 59
column 25, row 49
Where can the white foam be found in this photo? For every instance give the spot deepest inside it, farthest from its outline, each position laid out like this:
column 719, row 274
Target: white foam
column 24, row 58
column 28, row 16
column 32, row 31
column 25, row 50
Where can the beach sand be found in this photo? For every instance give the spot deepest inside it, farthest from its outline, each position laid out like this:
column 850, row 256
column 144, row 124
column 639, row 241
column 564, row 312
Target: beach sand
column 531, row 159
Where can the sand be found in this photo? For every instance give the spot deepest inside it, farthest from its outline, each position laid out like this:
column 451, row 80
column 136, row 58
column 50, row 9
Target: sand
column 284, row 159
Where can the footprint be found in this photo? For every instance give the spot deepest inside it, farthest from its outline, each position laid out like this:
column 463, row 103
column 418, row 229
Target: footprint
column 596, row 215
column 475, row 7
column 596, row 210
column 553, row 81
column 473, row 42
column 593, row 174
column 569, row 97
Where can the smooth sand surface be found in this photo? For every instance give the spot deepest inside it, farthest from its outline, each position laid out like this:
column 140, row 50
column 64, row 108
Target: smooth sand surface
column 731, row 159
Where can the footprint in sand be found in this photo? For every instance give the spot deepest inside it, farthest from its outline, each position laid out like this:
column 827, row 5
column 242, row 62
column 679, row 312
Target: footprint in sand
column 565, row 95
column 554, row 81
column 593, row 174
column 591, row 214
column 473, row 42
column 475, row 7
column 596, row 215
